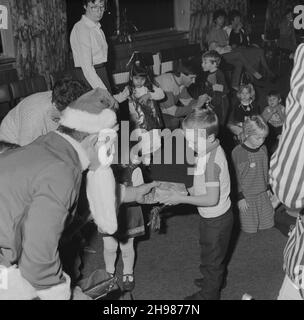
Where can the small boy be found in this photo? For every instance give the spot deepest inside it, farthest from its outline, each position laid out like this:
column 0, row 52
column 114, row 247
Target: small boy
column 210, row 194
column 274, row 115
column 215, row 85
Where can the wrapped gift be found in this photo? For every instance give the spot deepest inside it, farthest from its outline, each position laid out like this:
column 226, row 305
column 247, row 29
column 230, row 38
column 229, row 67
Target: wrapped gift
column 166, row 187
column 163, row 189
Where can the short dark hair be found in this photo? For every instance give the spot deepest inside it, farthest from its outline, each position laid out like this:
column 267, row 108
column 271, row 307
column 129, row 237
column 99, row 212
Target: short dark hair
column 219, row 13
column 73, row 133
column 214, row 56
column 233, row 14
column 5, row 146
column 67, row 90
column 274, row 93
column 204, row 118
column 86, row 2
column 187, row 66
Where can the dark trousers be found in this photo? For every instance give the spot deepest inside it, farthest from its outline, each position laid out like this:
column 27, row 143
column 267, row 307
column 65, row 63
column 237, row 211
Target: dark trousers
column 215, row 236
column 239, row 62
column 101, row 72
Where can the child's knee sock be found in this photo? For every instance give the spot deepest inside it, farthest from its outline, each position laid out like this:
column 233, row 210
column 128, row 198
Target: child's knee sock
column 110, row 253
column 128, row 255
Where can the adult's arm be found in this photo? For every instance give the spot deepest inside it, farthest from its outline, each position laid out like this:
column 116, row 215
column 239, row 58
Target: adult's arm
column 158, row 94
column 137, row 194
column 287, row 163
column 53, row 194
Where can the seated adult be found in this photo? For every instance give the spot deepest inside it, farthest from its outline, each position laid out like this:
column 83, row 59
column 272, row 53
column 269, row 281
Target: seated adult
column 38, row 113
column 287, row 38
column 218, row 40
column 239, row 41
column 177, row 103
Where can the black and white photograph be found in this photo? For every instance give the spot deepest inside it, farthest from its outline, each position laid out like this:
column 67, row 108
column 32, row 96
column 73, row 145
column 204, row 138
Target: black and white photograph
column 151, row 152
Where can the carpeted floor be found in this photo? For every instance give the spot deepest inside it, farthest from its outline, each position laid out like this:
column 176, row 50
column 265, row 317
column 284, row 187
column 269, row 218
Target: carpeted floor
column 167, row 263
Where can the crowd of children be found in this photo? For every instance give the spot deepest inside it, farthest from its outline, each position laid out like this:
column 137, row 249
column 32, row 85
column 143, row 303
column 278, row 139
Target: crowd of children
column 250, row 125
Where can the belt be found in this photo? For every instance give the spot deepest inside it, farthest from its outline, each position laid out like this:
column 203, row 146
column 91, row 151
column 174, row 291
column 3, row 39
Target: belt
column 100, row 65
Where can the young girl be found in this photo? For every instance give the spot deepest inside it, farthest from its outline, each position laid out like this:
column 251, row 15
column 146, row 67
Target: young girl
column 245, row 108
column 142, row 94
column 251, row 165
column 130, row 225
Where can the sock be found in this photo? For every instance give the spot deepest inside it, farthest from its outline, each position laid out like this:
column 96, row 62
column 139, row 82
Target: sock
column 110, row 253
column 128, row 256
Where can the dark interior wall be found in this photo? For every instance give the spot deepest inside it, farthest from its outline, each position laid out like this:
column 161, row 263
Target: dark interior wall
column 150, row 14
column 1, row 48
column 146, row 15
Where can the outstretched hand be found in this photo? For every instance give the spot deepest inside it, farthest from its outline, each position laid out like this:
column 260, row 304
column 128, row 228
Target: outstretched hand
column 143, row 190
column 170, row 198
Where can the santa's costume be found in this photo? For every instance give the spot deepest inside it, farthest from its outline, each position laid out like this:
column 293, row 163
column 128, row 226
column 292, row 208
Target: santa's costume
column 39, row 187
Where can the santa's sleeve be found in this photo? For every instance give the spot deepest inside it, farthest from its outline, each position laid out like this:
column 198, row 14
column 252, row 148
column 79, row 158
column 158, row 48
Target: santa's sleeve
column 42, row 228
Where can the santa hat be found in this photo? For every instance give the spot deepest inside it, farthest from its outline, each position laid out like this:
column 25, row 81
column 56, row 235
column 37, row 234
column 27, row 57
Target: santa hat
column 94, row 113
column 91, row 113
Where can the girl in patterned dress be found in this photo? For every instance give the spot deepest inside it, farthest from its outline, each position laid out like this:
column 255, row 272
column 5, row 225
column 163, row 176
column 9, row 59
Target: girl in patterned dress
column 142, row 94
column 251, row 165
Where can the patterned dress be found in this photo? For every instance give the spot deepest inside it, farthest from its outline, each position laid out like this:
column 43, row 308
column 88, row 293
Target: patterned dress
column 251, row 166
column 130, row 217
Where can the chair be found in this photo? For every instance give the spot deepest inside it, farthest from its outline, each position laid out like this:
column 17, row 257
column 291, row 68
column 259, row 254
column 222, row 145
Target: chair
column 5, row 101
column 20, row 89
column 38, row 84
column 23, row 88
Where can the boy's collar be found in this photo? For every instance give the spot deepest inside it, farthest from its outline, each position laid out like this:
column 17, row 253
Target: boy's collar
column 210, row 148
column 250, row 149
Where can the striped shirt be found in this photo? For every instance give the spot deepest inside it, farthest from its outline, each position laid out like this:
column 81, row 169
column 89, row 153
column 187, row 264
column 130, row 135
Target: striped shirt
column 294, row 256
column 251, row 167
column 287, row 163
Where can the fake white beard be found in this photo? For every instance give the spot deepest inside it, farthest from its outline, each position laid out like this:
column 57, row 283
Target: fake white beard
column 101, row 195
column 101, row 187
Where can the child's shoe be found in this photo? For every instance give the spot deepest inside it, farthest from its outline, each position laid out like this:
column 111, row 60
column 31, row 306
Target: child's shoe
column 128, row 282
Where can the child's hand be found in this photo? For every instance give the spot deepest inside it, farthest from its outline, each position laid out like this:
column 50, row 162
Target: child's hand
column 243, row 206
column 126, row 92
column 171, row 198
column 202, row 100
column 144, row 99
